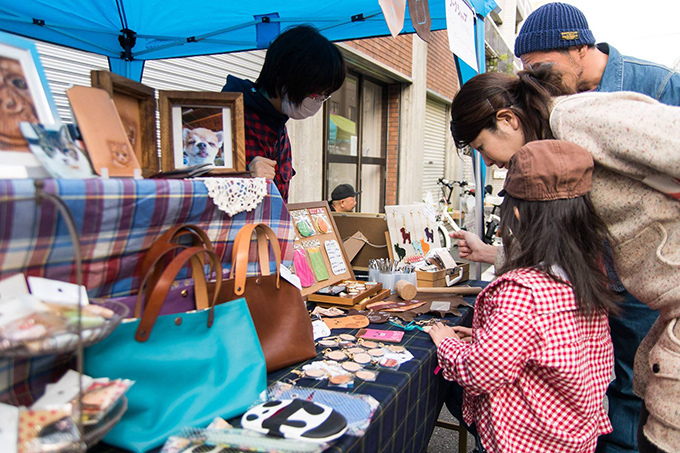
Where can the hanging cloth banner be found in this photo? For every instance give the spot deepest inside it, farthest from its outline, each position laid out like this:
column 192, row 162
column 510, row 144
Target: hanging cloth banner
column 420, row 18
column 394, row 11
column 460, row 23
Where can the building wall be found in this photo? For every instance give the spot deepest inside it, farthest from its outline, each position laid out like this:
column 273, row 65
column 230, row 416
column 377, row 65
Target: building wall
column 442, row 77
column 394, row 52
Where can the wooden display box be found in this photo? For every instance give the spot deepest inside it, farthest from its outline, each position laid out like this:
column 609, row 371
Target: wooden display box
column 347, row 300
column 316, row 234
column 438, row 278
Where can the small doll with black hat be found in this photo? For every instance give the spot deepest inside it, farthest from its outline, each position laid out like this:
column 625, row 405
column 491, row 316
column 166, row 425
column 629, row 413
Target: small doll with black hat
column 535, row 366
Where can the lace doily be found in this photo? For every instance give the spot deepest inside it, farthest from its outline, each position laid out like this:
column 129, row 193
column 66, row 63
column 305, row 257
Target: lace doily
column 234, row 195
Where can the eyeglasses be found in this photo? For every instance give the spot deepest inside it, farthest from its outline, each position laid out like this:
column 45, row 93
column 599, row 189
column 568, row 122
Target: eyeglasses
column 320, row 97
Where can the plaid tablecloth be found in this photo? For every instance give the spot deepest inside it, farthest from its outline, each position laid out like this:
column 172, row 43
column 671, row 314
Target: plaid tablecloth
column 117, row 220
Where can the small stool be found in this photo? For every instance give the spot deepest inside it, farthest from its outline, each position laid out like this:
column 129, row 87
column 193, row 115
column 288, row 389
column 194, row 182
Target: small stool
column 462, row 433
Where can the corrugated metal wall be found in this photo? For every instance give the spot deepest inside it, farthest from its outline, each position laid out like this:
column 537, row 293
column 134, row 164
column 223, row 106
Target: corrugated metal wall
column 434, row 149
column 66, row 67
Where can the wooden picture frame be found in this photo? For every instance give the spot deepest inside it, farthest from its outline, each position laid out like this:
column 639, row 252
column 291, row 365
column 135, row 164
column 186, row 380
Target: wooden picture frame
column 197, row 126
column 136, row 105
column 23, row 81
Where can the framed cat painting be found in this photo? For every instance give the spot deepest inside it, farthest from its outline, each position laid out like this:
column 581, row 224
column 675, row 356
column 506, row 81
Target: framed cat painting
column 23, row 86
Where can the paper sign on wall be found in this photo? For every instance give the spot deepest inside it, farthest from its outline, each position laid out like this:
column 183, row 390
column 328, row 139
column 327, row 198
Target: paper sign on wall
column 460, row 23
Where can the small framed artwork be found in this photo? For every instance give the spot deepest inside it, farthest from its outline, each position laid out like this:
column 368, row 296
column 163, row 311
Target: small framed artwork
column 136, row 105
column 24, row 88
column 202, row 127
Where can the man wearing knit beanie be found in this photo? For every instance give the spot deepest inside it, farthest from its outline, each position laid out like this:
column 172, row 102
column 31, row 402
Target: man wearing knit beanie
column 558, row 33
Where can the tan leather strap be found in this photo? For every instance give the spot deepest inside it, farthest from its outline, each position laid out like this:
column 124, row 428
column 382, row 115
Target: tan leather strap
column 160, row 291
column 241, row 251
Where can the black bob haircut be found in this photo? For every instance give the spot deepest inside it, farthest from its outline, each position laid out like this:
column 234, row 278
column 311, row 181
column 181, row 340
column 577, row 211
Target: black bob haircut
column 301, row 62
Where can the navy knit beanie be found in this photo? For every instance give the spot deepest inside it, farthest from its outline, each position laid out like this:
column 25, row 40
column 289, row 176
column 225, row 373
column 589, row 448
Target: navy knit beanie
column 553, row 26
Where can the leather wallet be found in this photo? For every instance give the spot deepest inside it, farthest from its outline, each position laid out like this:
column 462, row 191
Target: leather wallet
column 103, row 132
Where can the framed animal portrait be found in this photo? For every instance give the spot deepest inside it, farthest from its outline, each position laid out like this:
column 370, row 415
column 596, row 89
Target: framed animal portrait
column 25, row 97
column 200, row 128
column 136, row 106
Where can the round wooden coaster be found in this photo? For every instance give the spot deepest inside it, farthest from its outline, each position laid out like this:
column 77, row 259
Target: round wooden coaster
column 336, row 355
column 362, row 358
column 369, row 344
column 376, row 352
column 346, row 337
column 365, row 375
column 315, row 373
column 396, row 349
column 351, row 366
column 340, row 379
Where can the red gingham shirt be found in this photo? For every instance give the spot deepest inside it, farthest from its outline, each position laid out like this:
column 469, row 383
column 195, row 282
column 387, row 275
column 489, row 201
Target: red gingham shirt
column 262, row 140
column 536, row 371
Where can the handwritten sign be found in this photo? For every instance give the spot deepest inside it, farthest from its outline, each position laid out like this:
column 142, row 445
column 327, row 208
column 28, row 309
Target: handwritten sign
column 460, row 23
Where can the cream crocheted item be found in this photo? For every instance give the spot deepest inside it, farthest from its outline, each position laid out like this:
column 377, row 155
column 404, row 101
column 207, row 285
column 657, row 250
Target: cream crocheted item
column 234, row 195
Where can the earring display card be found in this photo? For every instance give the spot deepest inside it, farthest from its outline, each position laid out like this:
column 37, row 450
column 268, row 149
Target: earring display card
column 321, row 258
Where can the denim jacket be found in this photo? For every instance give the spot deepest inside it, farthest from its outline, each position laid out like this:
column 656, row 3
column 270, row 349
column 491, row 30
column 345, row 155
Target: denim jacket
column 624, row 73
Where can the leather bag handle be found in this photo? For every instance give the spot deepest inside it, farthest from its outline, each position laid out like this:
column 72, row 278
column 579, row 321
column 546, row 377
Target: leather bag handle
column 199, row 238
column 241, row 252
column 160, row 290
column 167, row 242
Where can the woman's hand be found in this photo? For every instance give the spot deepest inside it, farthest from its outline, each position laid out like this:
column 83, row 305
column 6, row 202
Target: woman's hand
column 440, row 331
column 472, row 248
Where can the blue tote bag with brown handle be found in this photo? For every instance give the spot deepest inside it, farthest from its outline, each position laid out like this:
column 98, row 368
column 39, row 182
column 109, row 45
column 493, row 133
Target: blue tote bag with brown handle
column 188, row 368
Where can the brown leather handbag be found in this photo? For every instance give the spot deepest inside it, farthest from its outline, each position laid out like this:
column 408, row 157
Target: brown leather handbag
column 278, row 311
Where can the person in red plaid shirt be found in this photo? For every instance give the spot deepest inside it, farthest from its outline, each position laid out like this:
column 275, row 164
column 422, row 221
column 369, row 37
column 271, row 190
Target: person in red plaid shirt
column 301, row 70
column 536, row 364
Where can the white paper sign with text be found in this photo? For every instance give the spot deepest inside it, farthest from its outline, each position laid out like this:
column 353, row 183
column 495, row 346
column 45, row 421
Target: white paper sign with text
column 460, row 23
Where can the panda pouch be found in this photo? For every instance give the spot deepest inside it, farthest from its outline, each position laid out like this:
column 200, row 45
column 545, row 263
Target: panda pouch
column 296, row 419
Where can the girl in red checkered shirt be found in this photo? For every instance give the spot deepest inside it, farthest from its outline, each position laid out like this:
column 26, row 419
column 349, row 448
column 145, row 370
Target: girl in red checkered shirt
column 536, row 364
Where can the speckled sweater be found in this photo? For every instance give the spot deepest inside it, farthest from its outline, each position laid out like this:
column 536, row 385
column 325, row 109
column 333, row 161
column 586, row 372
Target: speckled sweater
column 635, row 143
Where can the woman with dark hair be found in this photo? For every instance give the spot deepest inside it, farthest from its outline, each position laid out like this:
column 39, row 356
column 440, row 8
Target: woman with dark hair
column 539, row 355
column 301, row 70
column 633, row 140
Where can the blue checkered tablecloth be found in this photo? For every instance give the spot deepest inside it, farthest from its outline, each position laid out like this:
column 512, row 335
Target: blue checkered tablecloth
column 117, row 220
column 410, row 397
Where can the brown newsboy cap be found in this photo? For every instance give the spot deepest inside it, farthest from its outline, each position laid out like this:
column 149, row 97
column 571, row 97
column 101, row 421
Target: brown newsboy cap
column 545, row 170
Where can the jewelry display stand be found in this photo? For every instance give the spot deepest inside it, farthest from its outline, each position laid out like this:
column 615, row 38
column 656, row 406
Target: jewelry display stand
column 76, row 340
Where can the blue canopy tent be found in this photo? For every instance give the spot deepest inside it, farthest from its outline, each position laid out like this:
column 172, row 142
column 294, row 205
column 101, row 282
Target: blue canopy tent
column 129, row 32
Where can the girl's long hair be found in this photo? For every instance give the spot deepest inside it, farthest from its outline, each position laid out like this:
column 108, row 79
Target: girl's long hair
column 528, row 95
column 565, row 233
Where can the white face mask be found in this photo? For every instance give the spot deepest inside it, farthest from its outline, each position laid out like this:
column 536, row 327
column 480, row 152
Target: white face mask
column 308, row 108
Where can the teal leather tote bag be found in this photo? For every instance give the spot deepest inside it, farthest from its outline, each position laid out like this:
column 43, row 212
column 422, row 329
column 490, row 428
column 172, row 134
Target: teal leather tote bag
column 188, row 368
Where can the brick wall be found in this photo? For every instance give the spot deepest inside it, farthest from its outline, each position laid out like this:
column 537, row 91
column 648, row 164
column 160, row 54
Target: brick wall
column 393, row 94
column 441, row 68
column 396, row 52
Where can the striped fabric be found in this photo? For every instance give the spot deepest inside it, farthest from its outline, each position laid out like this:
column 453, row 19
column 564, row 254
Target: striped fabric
column 117, row 220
